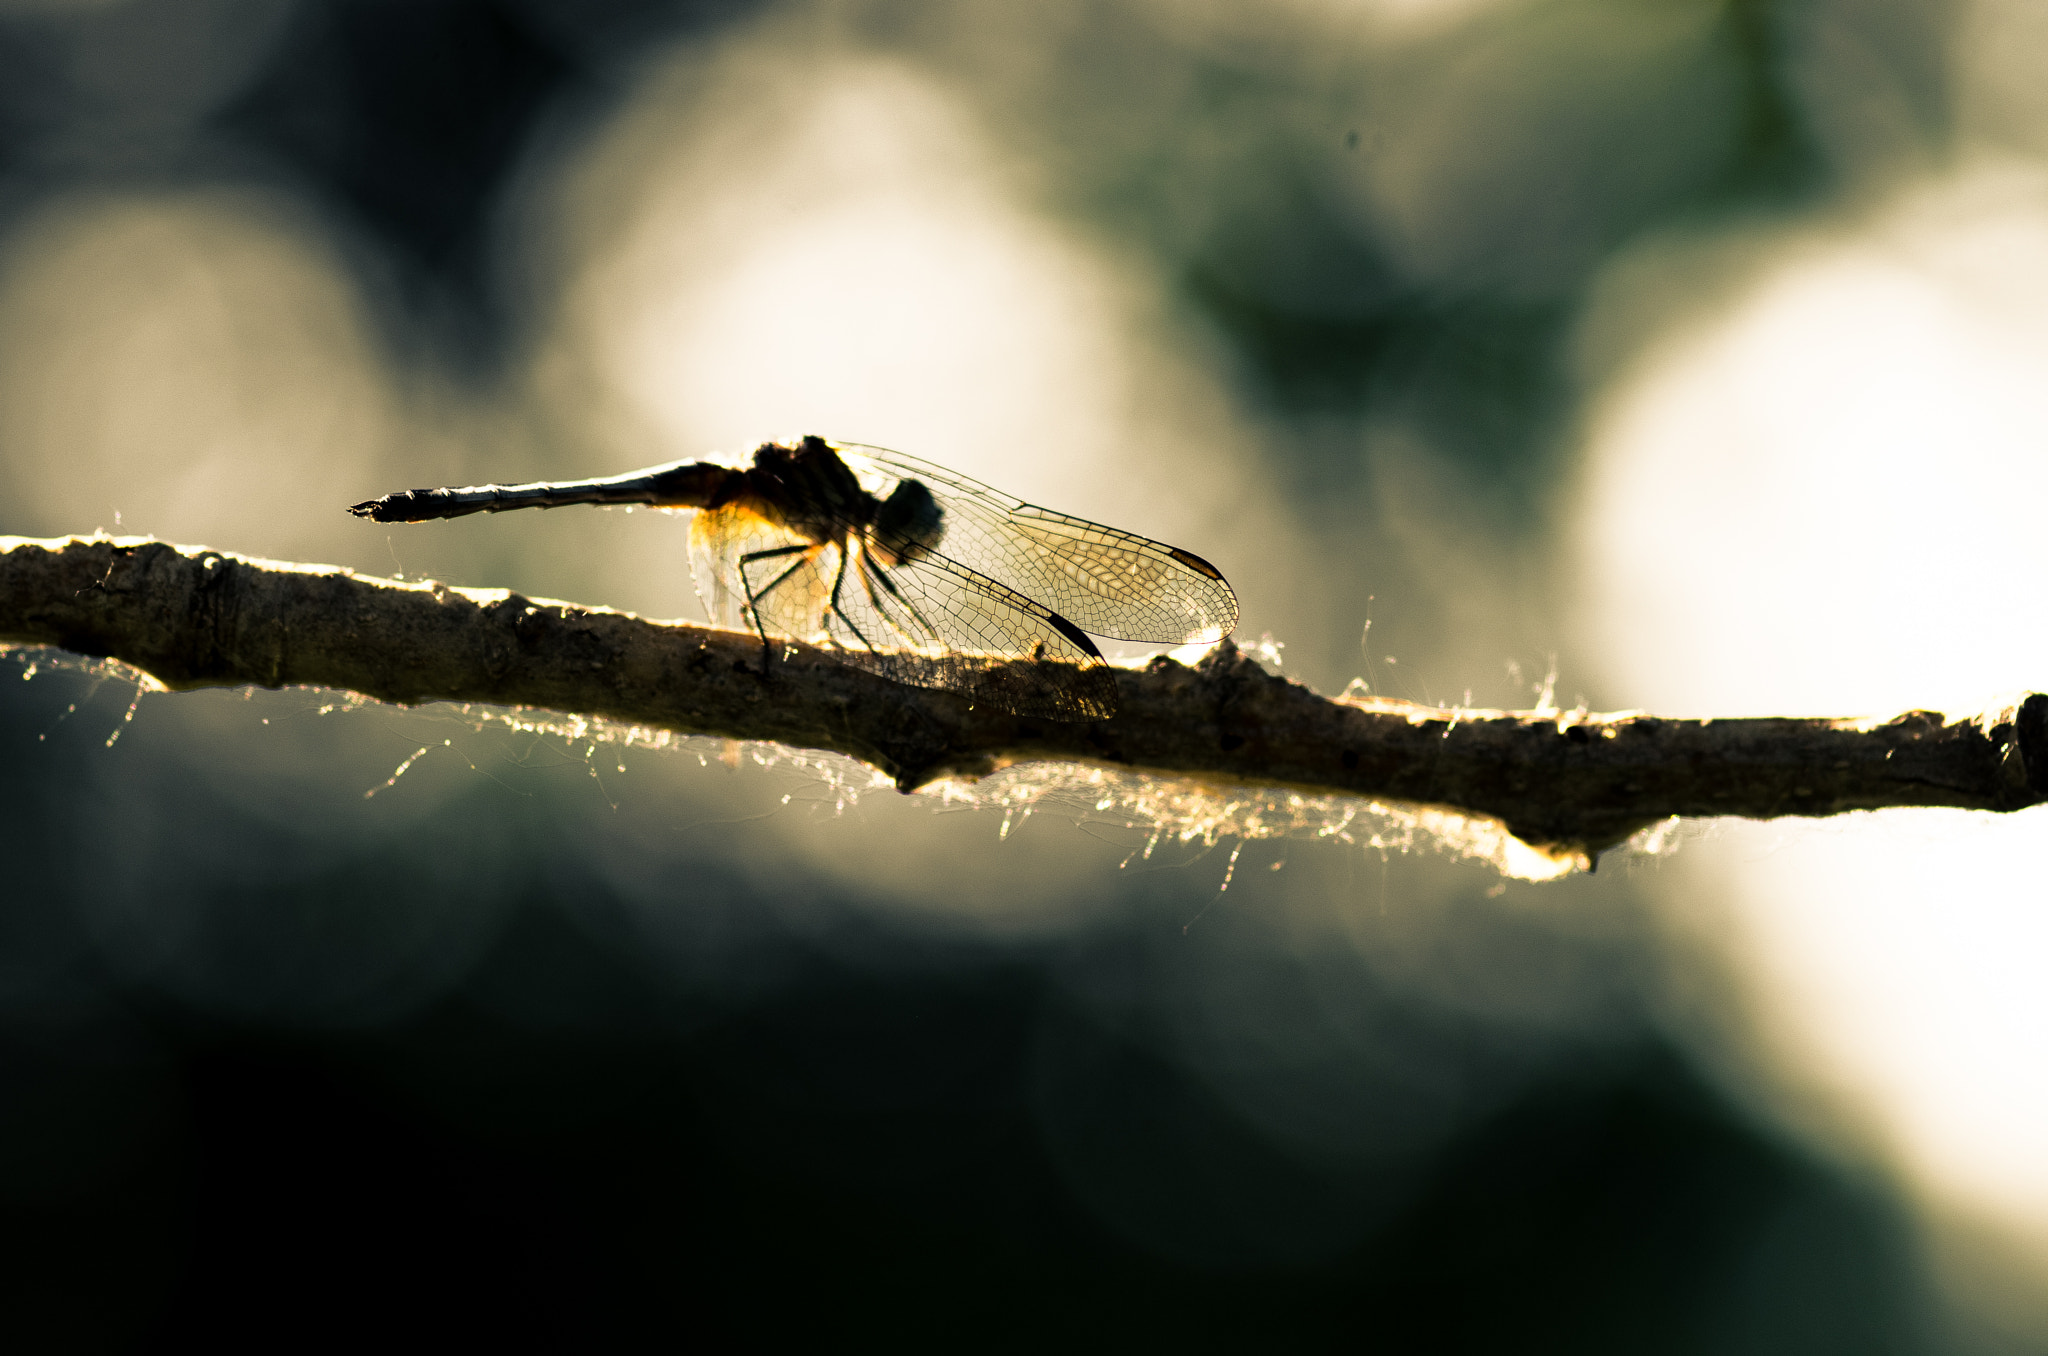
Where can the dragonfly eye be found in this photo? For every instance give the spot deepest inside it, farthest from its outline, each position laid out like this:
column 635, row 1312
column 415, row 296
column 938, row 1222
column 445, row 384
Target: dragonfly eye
column 908, row 524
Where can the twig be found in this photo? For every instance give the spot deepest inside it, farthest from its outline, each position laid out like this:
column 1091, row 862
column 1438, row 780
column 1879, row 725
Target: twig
column 1565, row 783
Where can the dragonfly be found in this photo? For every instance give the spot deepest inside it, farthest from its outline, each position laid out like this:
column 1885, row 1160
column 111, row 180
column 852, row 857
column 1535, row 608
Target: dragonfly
column 902, row 568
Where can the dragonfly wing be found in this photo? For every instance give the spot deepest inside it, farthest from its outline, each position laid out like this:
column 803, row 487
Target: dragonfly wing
column 735, row 554
column 935, row 623
column 1104, row 580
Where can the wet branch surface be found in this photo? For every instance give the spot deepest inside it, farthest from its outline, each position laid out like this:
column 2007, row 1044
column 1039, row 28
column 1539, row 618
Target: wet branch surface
column 1567, row 783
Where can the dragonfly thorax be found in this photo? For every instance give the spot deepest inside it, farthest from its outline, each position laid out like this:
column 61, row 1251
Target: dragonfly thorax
column 810, row 490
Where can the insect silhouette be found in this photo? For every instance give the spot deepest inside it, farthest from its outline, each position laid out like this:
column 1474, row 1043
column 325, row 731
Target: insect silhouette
column 904, row 568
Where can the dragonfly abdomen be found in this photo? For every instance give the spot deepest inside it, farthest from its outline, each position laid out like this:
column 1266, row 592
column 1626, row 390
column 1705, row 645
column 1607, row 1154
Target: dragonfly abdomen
column 697, row 484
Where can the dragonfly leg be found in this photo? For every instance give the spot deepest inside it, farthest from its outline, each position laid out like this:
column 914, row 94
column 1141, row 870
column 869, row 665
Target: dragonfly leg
column 870, row 575
column 754, row 596
column 838, row 582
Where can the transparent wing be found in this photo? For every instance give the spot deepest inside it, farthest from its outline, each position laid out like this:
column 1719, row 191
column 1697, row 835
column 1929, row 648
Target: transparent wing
column 1110, row 582
column 934, row 623
column 734, row 552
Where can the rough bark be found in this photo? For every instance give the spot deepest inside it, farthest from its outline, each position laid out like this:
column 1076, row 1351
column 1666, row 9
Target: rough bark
column 1566, row 783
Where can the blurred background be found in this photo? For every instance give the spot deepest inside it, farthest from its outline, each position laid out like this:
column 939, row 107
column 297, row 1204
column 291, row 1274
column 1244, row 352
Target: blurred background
column 1691, row 352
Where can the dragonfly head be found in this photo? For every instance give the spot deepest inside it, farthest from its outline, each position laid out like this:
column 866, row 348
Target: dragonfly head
column 908, row 524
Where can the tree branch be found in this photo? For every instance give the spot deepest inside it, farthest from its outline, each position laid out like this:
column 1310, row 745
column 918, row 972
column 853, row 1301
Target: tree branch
column 1565, row 783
